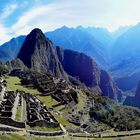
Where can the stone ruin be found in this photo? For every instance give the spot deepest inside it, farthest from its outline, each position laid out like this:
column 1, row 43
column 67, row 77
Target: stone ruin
column 8, row 107
column 65, row 97
column 38, row 114
column 46, row 83
column 58, row 88
column 7, row 104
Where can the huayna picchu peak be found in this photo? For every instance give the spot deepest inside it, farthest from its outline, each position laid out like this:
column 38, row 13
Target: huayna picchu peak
column 38, row 53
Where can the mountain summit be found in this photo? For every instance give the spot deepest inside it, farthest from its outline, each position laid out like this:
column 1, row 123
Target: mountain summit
column 38, row 53
column 34, row 40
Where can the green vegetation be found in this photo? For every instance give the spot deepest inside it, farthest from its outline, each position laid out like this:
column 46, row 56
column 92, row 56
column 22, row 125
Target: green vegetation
column 18, row 113
column 24, row 117
column 37, row 128
column 121, row 118
column 63, row 120
column 81, row 99
column 14, row 83
column 64, row 110
column 48, row 101
column 15, row 136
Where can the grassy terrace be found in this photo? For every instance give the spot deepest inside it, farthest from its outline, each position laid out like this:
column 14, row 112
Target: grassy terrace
column 81, row 100
column 14, row 83
column 63, row 120
column 37, row 128
column 22, row 137
column 24, row 117
column 48, row 101
column 18, row 113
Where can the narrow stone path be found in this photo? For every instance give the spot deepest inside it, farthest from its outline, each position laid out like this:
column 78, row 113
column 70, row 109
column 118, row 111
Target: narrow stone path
column 14, row 109
column 22, row 109
column 63, row 128
column 2, row 93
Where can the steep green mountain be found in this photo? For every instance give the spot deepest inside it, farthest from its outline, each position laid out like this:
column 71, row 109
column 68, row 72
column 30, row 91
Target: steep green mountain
column 105, row 48
column 92, row 41
column 40, row 54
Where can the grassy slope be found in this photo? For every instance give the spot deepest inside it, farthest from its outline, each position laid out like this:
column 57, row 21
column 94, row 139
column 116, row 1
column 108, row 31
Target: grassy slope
column 48, row 101
column 13, row 83
column 81, row 100
column 37, row 128
column 21, row 137
column 18, row 113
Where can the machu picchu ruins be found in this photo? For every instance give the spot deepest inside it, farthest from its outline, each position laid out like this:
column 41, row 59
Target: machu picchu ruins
column 20, row 110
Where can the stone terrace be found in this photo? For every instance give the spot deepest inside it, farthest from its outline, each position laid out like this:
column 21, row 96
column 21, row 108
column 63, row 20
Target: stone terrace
column 59, row 89
column 38, row 114
column 19, row 103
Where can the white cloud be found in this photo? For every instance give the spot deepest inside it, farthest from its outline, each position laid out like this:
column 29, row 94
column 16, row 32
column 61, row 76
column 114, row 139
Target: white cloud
column 54, row 15
column 4, row 34
column 105, row 13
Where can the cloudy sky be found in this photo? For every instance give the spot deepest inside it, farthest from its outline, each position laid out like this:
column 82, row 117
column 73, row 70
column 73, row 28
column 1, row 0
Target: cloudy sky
column 20, row 16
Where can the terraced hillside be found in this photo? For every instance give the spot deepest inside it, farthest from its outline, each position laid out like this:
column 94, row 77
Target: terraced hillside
column 41, row 105
column 59, row 106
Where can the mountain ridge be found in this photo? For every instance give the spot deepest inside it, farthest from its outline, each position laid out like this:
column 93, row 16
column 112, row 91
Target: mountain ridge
column 122, row 67
column 45, row 56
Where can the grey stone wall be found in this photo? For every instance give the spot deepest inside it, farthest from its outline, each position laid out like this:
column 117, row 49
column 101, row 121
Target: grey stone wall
column 11, row 122
column 43, row 123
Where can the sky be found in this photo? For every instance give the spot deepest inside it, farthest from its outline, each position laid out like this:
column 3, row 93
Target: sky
column 19, row 17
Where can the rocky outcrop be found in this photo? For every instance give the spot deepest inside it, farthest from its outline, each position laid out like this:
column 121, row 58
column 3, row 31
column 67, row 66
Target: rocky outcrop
column 80, row 66
column 86, row 70
column 109, row 87
column 15, row 64
column 38, row 53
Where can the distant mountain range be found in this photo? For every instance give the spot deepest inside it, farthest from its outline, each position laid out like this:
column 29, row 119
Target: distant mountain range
column 83, row 40
column 134, row 100
column 10, row 49
column 126, row 58
column 117, row 53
